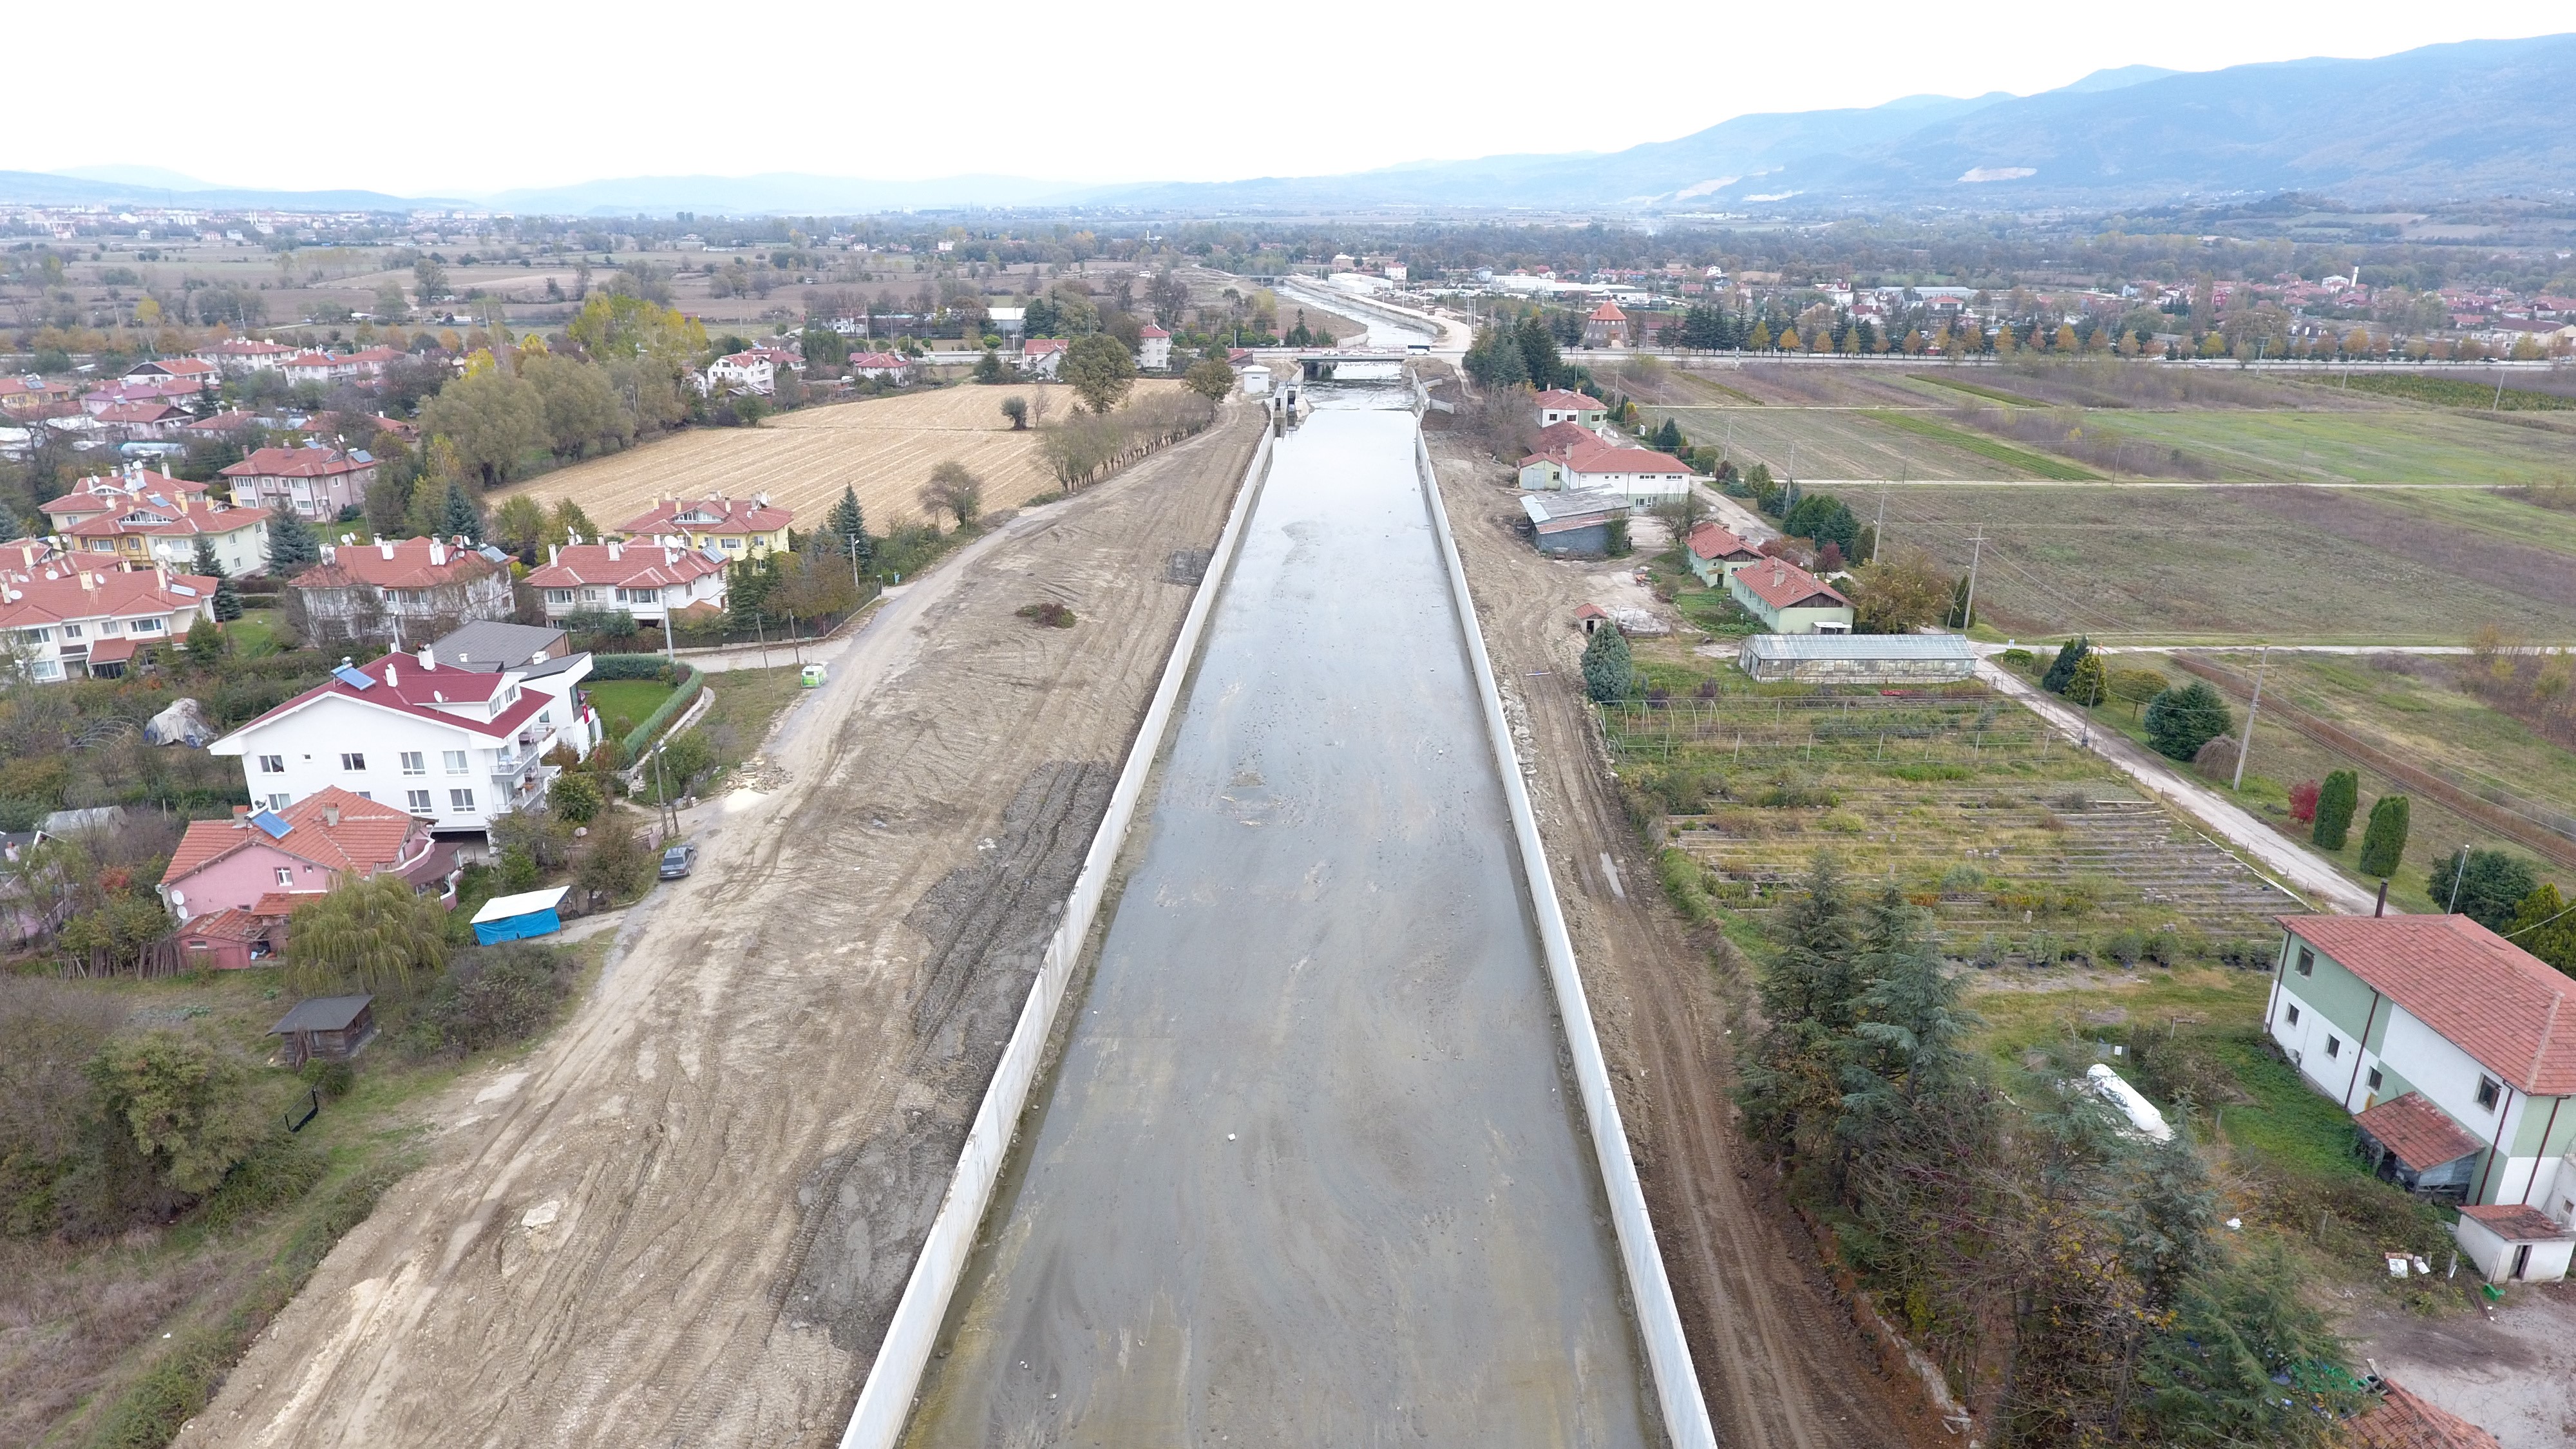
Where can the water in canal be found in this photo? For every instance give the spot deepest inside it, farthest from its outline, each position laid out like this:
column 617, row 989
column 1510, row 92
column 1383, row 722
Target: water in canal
column 1308, row 1172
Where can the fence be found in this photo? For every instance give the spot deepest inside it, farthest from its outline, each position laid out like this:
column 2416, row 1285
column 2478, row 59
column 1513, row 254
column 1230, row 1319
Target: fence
column 691, row 681
column 885, row 1400
column 2519, row 820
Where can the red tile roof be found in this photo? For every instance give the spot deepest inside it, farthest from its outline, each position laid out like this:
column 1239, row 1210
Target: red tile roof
column 628, row 566
column 2400, row 1420
column 366, row 837
column 408, row 563
column 173, row 367
column 1600, row 457
column 183, row 517
column 714, row 513
column 1712, row 542
column 1608, row 312
column 232, row 923
column 1557, row 438
column 1042, row 344
column 2516, row 1223
column 139, row 412
column 34, row 598
column 2422, row 1135
column 294, row 463
column 246, row 347
column 2483, row 994
column 866, row 360
column 1561, row 399
column 1150, row 330
column 1784, row 585
column 404, row 686
column 282, row 903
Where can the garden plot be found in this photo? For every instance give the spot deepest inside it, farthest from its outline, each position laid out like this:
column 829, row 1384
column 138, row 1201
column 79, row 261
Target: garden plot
column 2025, row 849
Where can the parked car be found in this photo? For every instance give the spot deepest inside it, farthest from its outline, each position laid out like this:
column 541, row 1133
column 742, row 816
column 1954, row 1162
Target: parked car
column 678, row 861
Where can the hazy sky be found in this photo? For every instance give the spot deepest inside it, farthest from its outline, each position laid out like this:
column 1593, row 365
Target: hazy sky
column 470, row 97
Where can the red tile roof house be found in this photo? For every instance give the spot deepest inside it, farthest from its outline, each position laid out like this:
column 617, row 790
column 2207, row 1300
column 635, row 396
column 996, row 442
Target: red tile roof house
column 755, row 371
column 1041, row 356
column 137, row 390
column 71, row 620
column 647, row 581
column 1789, row 600
column 880, row 364
column 1588, row 464
column 321, row 368
column 1716, row 553
column 239, row 356
column 458, row 747
column 748, row 527
column 164, row 528
column 314, row 481
column 396, row 591
column 1607, row 327
column 1153, row 348
column 1556, row 405
column 2456, row 1052
column 197, row 373
column 259, row 867
column 144, row 421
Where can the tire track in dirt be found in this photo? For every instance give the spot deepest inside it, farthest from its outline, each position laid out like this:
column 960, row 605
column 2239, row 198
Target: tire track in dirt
column 687, row 1223
column 1779, row 1358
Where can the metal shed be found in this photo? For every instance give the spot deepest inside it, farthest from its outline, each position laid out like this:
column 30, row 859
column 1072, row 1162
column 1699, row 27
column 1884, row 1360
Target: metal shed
column 1573, row 523
column 515, row 918
column 1858, row 658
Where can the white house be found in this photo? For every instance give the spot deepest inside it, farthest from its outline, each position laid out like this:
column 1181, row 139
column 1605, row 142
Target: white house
column 69, row 619
column 2455, row 1051
column 164, row 529
column 751, row 372
column 241, row 356
column 648, row 581
column 1558, row 405
column 1153, row 348
column 1041, row 356
column 881, row 364
column 1588, row 464
column 458, row 747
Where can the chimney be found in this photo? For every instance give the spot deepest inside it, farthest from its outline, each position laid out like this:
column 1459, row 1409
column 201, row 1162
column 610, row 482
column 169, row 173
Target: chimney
column 616, row 552
column 428, row 656
column 437, row 554
column 330, row 554
column 385, row 547
column 554, row 553
column 330, row 813
column 392, row 675
column 241, row 814
column 89, row 581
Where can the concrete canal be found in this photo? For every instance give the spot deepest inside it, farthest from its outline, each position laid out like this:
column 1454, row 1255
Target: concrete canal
column 1309, row 1169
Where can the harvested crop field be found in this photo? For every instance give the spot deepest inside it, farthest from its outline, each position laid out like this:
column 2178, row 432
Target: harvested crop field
column 2281, row 565
column 1838, row 443
column 883, row 447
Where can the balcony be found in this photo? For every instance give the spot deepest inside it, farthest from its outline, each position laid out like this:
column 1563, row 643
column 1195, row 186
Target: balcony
column 522, row 785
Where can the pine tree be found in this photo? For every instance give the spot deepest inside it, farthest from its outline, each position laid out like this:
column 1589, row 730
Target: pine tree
column 2087, row 687
column 1538, row 353
column 2061, row 670
column 2183, row 718
column 1608, row 671
column 228, row 604
column 2383, row 845
column 1668, row 438
column 2337, row 798
column 291, row 544
column 849, row 527
column 457, row 517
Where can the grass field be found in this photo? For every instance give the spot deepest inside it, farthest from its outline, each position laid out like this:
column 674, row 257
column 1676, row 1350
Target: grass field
column 630, row 700
column 2353, row 447
column 2496, row 514
column 2022, row 460
column 1841, row 443
column 883, row 447
column 2459, row 392
column 2229, row 564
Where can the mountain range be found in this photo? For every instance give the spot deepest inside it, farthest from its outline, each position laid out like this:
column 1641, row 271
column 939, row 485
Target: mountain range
column 2466, row 120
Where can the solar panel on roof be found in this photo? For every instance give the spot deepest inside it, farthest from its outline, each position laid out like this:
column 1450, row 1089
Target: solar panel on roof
column 353, row 678
column 272, row 822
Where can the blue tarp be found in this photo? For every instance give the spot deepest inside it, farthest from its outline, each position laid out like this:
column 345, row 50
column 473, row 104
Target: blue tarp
column 519, row 927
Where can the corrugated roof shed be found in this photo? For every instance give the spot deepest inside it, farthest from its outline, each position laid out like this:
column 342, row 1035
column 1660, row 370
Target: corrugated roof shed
column 1860, row 646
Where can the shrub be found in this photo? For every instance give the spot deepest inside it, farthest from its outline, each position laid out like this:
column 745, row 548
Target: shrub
column 496, row 996
column 2020, row 659
column 2490, row 886
column 1608, row 670
column 576, row 797
column 2303, row 801
column 1050, row 614
column 2383, row 845
column 2182, row 719
column 2337, row 798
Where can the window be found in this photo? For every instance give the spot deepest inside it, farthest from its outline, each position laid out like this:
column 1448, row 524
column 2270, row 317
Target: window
column 2307, row 962
column 279, row 802
column 2334, row 1045
column 46, row 669
column 272, row 764
column 2488, row 1090
column 461, row 800
column 2374, row 1079
column 558, row 596
column 454, row 760
column 147, row 626
column 37, row 636
column 107, row 626
column 71, row 631
column 2294, row 1016
column 353, row 762
column 414, row 763
column 286, row 875
column 417, row 802
column 733, row 543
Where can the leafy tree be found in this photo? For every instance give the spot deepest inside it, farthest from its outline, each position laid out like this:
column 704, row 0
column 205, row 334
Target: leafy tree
column 2061, row 670
column 583, row 414
column 575, row 796
column 954, row 491
column 621, row 324
column 1608, row 670
column 1211, row 378
column 2337, row 799
column 186, row 1103
column 519, row 524
column 1017, row 410
column 2543, row 926
column 1100, row 370
column 492, row 419
column 2087, row 688
column 1899, row 594
column 2134, row 687
column 2383, row 844
column 228, row 604
column 616, row 864
column 374, row 935
column 458, row 517
column 292, row 546
column 569, row 521
column 988, row 368
column 2184, row 717
column 2490, row 885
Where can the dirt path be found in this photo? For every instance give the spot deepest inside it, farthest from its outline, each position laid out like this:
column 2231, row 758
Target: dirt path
column 1778, row 1356
column 686, row 1218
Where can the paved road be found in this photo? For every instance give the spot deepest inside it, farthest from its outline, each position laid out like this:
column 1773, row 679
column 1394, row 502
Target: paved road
column 2295, row 867
column 1309, row 1172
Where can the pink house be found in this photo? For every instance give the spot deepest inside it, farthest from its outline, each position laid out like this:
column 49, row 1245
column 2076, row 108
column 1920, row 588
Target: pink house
column 249, row 862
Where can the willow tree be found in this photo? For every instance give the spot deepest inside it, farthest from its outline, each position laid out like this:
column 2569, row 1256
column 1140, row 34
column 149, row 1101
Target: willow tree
column 376, row 935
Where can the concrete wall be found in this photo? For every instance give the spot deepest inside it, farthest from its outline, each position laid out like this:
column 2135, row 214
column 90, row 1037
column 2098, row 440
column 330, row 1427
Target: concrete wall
column 885, row 1400
column 1650, row 1292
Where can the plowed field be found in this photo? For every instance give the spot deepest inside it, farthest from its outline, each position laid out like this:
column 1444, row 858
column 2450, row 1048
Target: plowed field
column 883, row 447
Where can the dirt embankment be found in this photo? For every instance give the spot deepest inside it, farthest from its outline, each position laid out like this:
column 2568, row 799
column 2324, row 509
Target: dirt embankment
column 1779, row 1357
column 687, row 1217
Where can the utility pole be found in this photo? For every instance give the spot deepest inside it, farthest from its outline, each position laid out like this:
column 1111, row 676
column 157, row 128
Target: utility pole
column 1976, row 552
column 2458, row 876
column 669, row 651
column 2245, row 746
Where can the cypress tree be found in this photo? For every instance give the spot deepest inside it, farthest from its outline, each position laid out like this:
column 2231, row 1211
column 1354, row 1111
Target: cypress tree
column 1607, row 668
column 2061, row 670
column 1963, row 614
column 2337, row 798
column 228, row 604
column 2383, row 845
column 291, row 544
